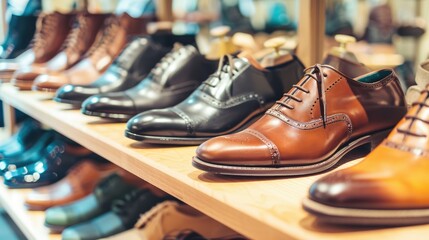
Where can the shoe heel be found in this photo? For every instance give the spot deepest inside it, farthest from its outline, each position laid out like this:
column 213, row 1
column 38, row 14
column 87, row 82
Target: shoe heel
column 378, row 137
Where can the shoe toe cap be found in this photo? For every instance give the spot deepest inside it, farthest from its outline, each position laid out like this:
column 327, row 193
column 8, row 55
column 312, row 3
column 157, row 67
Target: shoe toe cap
column 115, row 103
column 76, row 93
column 161, row 122
column 239, row 148
column 56, row 216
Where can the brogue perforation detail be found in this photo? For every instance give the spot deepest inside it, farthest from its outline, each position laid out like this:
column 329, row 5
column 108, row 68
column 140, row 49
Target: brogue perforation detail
column 333, row 84
column 313, row 123
column 188, row 121
column 234, row 101
column 412, row 150
column 274, row 151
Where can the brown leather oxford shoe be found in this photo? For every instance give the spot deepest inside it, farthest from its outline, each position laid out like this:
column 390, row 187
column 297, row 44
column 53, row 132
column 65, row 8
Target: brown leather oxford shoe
column 389, row 187
column 51, row 32
column 323, row 117
column 79, row 182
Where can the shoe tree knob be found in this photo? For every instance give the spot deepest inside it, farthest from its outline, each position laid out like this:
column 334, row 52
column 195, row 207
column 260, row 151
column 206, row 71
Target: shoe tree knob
column 341, row 50
column 276, row 44
column 222, row 45
column 279, row 56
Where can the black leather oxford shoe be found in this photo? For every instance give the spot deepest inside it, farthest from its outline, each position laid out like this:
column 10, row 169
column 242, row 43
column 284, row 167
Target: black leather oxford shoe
column 176, row 76
column 131, row 66
column 55, row 160
column 229, row 100
column 30, row 156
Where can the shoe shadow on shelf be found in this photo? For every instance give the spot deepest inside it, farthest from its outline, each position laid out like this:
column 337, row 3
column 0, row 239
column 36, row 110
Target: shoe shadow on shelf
column 142, row 145
column 313, row 224
column 346, row 161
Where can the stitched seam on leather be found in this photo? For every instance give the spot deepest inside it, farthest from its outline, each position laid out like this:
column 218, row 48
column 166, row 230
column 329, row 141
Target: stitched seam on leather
column 188, row 120
column 382, row 83
column 274, row 151
column 234, row 101
column 313, row 123
column 412, row 150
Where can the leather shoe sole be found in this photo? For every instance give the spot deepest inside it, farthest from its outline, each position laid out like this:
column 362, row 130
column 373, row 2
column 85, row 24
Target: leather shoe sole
column 366, row 217
column 192, row 140
column 114, row 116
column 67, row 101
column 296, row 170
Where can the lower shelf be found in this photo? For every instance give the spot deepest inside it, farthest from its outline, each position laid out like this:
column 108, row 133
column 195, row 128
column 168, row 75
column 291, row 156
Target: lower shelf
column 259, row 208
column 29, row 222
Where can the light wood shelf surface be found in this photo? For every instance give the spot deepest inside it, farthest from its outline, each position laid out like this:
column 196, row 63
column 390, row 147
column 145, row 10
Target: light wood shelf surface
column 260, row 208
column 30, row 222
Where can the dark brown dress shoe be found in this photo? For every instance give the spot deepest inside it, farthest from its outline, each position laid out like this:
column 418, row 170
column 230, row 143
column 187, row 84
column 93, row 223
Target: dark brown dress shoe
column 323, row 117
column 79, row 182
column 389, row 187
column 107, row 46
column 51, row 32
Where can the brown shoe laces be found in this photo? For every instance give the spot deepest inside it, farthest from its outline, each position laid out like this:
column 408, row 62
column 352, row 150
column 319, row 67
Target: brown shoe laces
column 45, row 25
column 71, row 44
column 316, row 73
column 415, row 118
column 109, row 32
column 226, row 66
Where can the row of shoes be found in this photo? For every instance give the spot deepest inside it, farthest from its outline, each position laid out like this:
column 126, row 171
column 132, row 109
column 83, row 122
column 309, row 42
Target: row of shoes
column 269, row 116
column 85, row 197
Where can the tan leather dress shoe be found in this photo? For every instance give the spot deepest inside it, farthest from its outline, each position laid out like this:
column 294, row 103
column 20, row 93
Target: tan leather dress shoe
column 390, row 186
column 51, row 32
column 169, row 218
column 77, row 43
column 79, row 182
column 323, row 117
column 109, row 42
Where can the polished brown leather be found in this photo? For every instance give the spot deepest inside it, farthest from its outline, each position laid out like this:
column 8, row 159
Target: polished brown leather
column 77, row 43
column 348, row 68
column 51, row 32
column 325, row 111
column 79, row 182
column 109, row 42
column 393, row 176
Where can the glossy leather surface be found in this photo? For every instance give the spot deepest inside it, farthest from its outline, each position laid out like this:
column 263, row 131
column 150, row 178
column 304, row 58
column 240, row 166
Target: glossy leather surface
column 21, row 141
column 107, row 190
column 57, row 158
column 108, row 44
column 29, row 156
column 312, row 122
column 392, row 177
column 131, row 66
column 236, row 95
column 80, row 181
column 176, row 76
column 124, row 214
column 169, row 218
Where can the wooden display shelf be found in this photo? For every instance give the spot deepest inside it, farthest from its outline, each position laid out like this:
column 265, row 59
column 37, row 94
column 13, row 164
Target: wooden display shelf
column 260, row 208
column 30, row 222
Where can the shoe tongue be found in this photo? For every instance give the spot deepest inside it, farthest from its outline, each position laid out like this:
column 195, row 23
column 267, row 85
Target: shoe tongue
column 250, row 59
column 422, row 74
